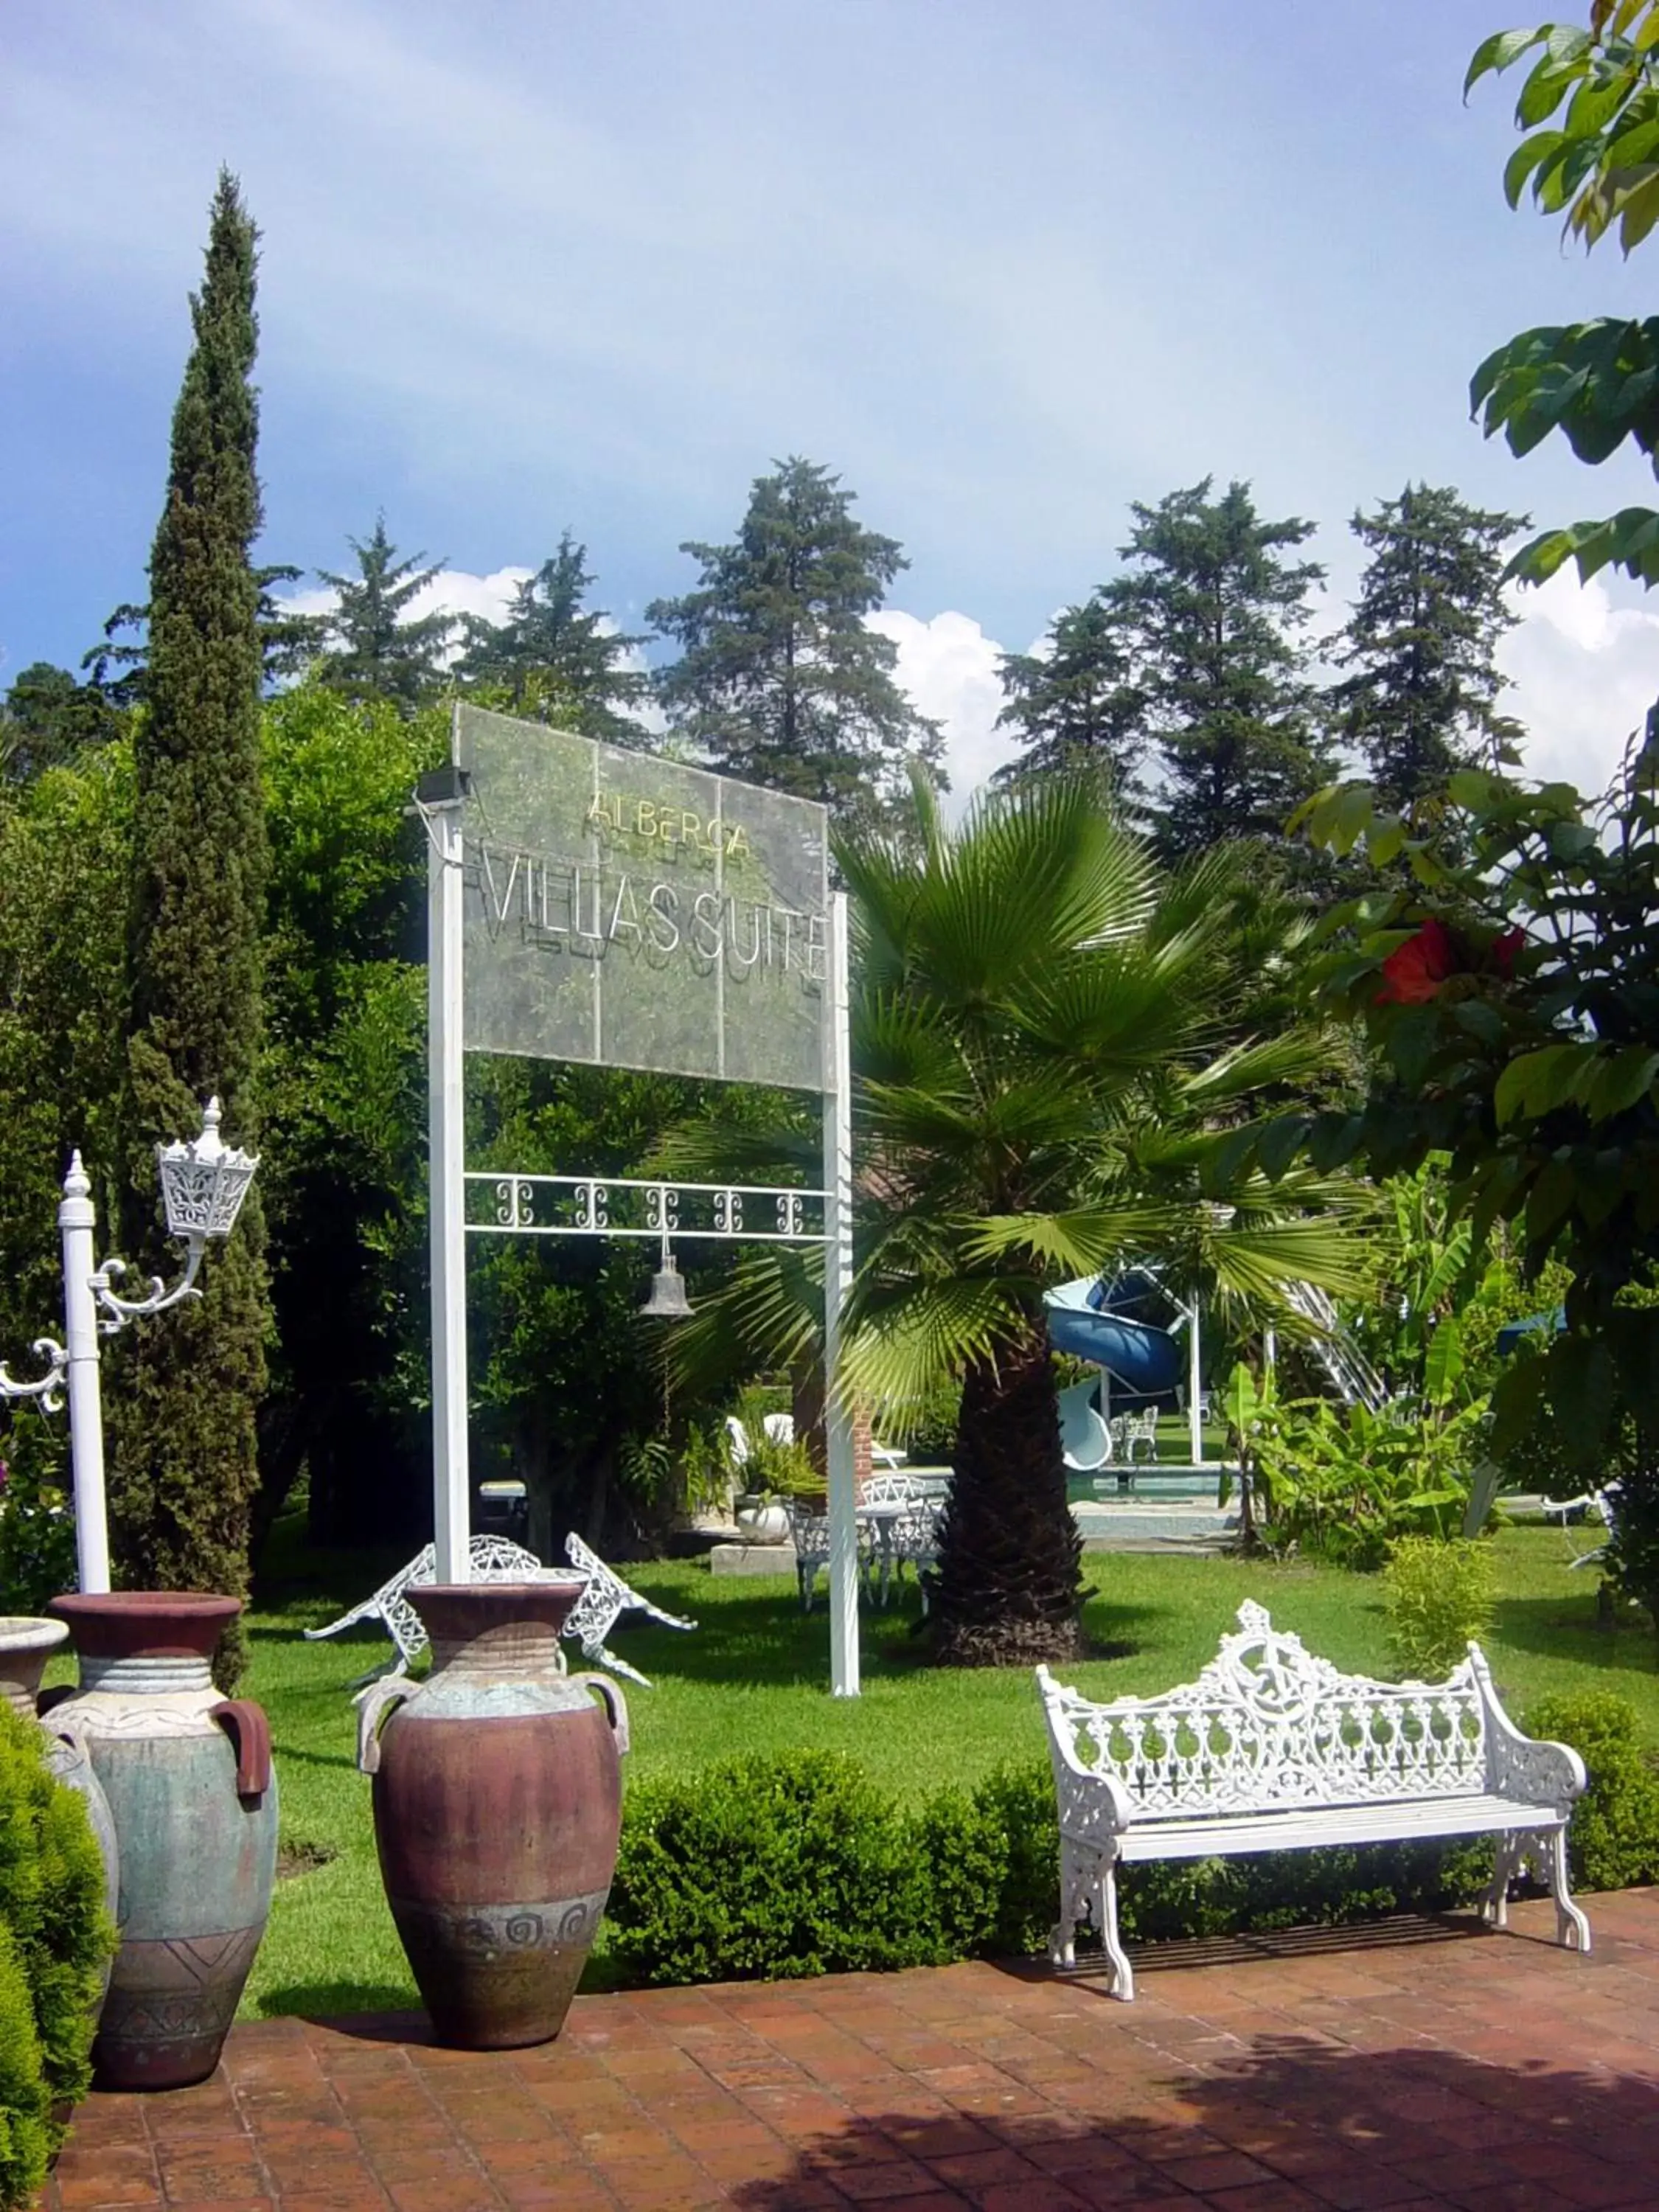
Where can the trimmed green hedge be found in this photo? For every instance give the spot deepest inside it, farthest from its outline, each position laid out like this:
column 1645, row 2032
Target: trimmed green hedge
column 55, row 1939
column 774, row 1867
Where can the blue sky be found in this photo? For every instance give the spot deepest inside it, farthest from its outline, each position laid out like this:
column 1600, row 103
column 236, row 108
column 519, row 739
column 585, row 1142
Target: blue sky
column 1007, row 267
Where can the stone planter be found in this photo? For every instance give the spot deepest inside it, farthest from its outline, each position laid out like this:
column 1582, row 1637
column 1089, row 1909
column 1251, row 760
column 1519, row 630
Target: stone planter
column 190, row 1785
column 26, row 1645
column 497, row 1806
column 761, row 1521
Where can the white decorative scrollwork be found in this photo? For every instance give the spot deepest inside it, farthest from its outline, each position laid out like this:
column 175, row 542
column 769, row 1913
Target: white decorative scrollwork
column 662, row 1206
column 789, row 1213
column 590, row 1207
column 47, row 1390
column 515, row 1206
column 728, row 1213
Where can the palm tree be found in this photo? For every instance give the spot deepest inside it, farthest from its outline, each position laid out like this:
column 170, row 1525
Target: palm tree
column 1046, row 1052
column 1052, row 1040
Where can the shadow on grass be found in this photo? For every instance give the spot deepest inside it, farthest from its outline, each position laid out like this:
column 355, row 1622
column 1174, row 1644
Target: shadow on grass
column 1567, row 1627
column 386, row 2010
column 761, row 1639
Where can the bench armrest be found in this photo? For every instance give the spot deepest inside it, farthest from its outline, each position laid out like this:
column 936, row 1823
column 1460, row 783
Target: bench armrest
column 1094, row 1806
column 1523, row 1767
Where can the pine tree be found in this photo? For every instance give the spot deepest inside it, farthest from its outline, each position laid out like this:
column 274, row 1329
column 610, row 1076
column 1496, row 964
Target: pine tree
column 371, row 647
column 1422, row 698
column 1215, row 606
column 555, row 660
column 1075, row 702
column 780, row 680
column 47, row 719
column 184, row 1462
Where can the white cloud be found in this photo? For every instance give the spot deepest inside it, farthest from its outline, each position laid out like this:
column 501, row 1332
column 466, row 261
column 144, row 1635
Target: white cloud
column 948, row 668
column 1585, row 673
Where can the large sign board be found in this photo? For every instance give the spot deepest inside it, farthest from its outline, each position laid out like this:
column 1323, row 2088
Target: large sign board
column 632, row 912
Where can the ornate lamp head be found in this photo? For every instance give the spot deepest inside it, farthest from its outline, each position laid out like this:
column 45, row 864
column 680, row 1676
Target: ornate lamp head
column 203, row 1183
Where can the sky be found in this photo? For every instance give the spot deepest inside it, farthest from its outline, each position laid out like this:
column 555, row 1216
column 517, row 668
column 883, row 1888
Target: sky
column 1006, row 265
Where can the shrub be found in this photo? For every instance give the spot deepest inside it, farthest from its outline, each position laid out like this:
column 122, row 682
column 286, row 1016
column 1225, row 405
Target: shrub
column 37, row 1529
column 765, row 1868
column 1440, row 1593
column 1613, row 1840
column 55, row 1939
column 1343, row 1482
column 790, row 1866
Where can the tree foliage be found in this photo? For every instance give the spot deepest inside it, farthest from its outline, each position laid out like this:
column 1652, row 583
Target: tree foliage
column 1421, row 694
column 558, row 660
column 371, row 647
column 1216, row 606
column 1076, row 702
column 1044, row 1042
column 185, row 1467
column 1589, row 107
column 780, row 679
column 47, row 719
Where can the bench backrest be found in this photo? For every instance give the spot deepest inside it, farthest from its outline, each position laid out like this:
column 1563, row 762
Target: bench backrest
column 1268, row 1727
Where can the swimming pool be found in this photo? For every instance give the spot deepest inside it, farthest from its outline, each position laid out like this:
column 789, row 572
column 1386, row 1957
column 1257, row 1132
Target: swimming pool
column 1164, row 1484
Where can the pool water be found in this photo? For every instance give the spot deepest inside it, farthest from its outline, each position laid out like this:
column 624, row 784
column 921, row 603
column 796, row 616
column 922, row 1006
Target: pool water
column 1151, row 1484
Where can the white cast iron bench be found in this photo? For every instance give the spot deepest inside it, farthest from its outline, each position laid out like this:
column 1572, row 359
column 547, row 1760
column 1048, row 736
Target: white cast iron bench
column 1272, row 1749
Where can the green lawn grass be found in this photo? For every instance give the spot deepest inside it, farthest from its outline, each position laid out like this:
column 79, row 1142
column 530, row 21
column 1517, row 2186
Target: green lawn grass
column 753, row 1677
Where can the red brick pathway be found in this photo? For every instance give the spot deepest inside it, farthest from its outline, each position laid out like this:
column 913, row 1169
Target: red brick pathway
column 1413, row 2065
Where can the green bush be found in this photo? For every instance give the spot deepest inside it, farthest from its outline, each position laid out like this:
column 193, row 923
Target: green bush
column 1441, row 1592
column 37, row 1530
column 1343, row 1483
column 55, row 1939
column 1613, row 1841
column 778, row 1867
column 768, row 1869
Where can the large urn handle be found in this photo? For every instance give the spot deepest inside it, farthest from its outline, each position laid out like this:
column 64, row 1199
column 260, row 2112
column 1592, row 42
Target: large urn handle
column 249, row 1731
column 616, row 1706
column 372, row 1705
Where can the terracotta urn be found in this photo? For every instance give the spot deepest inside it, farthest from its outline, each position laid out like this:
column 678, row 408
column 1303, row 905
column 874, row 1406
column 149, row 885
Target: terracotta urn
column 189, row 1780
column 497, row 1806
column 27, row 1642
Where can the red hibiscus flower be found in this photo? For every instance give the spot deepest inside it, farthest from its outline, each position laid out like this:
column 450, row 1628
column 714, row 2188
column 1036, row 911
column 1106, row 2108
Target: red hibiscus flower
column 1503, row 950
column 1415, row 972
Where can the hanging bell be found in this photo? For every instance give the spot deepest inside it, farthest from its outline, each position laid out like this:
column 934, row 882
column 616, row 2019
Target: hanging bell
column 667, row 1300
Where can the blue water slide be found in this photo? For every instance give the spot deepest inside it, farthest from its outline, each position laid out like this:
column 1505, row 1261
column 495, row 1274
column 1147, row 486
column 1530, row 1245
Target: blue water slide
column 1088, row 1319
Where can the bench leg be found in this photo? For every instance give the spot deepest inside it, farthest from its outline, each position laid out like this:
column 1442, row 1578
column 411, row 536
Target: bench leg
column 1495, row 1904
column 1571, row 1928
column 1123, row 1974
column 1077, row 1876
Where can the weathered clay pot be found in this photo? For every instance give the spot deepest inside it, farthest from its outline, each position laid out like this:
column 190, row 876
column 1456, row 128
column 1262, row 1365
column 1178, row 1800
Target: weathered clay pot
column 497, row 1804
column 27, row 1642
column 189, row 1780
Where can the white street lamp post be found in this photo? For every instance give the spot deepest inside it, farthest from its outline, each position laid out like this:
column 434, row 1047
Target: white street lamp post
column 202, row 1186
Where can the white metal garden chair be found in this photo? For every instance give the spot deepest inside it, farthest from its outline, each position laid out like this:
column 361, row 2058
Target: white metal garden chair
column 1604, row 1502
column 496, row 1559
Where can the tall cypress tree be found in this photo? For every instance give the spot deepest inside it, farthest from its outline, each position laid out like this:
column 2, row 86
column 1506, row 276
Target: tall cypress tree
column 184, row 1474
column 779, row 679
column 1422, row 697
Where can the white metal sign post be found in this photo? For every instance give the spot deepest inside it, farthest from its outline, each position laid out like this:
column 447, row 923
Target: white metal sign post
column 587, row 904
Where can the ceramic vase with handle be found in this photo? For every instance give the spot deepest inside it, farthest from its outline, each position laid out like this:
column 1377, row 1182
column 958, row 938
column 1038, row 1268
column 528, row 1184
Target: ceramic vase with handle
column 497, row 1805
column 26, row 1645
column 188, row 1776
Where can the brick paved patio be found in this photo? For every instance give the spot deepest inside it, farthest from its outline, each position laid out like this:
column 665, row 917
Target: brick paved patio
column 1416, row 2065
